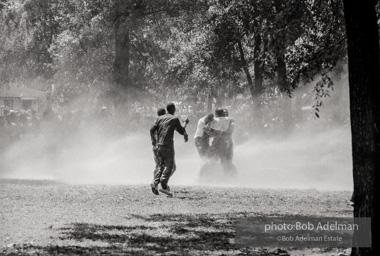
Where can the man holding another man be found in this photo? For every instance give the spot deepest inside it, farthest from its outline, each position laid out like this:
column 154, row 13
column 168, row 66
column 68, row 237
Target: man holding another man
column 220, row 128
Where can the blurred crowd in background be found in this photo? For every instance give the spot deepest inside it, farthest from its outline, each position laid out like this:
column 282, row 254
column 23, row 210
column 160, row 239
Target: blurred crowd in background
column 103, row 120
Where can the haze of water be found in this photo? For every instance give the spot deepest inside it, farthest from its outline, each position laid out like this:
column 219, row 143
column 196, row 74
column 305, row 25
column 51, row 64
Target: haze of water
column 307, row 158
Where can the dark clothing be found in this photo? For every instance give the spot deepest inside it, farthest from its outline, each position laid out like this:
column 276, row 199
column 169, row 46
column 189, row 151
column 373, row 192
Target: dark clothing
column 162, row 133
column 158, row 170
column 154, row 137
column 202, row 144
column 165, row 126
column 166, row 168
column 155, row 157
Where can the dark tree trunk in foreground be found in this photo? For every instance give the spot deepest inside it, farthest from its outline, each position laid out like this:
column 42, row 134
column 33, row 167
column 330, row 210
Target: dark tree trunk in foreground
column 209, row 103
column 121, row 62
column 286, row 101
column 363, row 54
column 258, row 68
column 245, row 67
column 257, row 90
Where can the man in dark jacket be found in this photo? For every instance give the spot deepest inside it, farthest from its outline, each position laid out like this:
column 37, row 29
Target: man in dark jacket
column 164, row 127
column 160, row 112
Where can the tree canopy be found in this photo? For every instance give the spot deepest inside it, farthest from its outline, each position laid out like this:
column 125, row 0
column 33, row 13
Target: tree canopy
column 204, row 51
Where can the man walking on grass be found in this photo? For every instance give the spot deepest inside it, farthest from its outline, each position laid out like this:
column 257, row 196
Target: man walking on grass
column 164, row 143
column 157, row 170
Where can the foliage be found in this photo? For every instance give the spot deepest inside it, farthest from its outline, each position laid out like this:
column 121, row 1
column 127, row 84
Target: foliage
column 193, row 51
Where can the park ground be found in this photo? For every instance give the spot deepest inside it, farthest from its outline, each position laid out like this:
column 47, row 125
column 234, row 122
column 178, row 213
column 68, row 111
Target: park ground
column 50, row 218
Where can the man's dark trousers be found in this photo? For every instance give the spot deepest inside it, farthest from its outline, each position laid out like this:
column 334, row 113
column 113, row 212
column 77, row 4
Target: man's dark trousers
column 166, row 167
column 157, row 170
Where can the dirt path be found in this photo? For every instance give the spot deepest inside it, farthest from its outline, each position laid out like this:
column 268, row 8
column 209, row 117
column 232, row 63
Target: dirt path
column 51, row 218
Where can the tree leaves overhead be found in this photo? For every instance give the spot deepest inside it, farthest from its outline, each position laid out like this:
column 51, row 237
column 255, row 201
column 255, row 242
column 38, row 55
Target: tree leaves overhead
column 178, row 47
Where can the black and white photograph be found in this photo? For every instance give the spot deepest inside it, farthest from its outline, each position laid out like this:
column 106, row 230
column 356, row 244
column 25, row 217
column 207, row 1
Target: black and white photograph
column 190, row 127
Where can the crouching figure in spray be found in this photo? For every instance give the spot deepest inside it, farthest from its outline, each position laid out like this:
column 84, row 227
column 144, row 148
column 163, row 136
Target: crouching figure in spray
column 220, row 129
column 201, row 138
column 162, row 133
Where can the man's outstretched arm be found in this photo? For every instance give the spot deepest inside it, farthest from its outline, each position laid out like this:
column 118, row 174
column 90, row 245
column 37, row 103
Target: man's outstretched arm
column 181, row 130
column 184, row 123
column 212, row 132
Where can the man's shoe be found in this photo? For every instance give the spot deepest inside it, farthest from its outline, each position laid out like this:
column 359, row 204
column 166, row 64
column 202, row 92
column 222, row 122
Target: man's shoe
column 166, row 192
column 154, row 189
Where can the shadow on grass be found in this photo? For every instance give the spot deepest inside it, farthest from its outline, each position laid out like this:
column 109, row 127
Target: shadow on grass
column 159, row 235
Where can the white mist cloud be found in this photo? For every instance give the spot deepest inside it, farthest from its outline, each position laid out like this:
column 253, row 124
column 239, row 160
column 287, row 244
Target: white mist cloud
column 311, row 156
column 306, row 159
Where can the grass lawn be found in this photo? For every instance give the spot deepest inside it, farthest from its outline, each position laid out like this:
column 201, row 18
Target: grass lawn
column 47, row 218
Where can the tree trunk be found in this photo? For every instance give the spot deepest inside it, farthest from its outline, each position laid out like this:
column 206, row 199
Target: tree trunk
column 245, row 67
column 286, row 101
column 258, row 67
column 298, row 104
column 363, row 54
column 209, row 103
column 257, row 90
column 219, row 97
column 121, row 62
